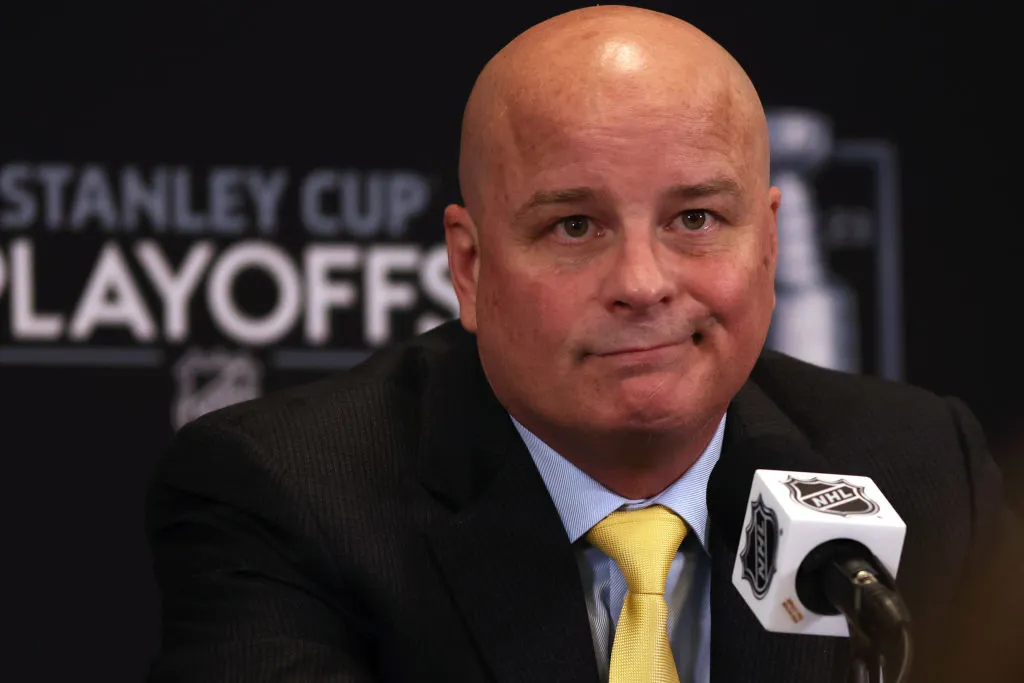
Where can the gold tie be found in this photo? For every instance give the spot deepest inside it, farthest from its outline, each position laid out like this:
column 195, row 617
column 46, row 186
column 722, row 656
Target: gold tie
column 642, row 543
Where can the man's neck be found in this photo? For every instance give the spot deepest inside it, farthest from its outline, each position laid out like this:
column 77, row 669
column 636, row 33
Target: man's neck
column 634, row 465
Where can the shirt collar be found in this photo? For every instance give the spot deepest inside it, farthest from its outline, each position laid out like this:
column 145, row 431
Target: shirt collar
column 582, row 502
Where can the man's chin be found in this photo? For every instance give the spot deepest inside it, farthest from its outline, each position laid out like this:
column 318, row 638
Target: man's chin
column 650, row 413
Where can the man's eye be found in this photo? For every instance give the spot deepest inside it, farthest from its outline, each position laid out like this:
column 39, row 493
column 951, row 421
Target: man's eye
column 574, row 227
column 694, row 220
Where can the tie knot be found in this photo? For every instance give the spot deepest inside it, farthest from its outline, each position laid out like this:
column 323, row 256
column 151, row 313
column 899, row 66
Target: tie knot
column 643, row 543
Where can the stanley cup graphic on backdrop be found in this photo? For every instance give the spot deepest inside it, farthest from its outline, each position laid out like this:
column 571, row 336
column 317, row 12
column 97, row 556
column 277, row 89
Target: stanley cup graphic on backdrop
column 815, row 315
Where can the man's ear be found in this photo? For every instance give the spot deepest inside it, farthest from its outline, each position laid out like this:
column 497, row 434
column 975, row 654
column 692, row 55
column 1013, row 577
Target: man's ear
column 772, row 258
column 462, row 238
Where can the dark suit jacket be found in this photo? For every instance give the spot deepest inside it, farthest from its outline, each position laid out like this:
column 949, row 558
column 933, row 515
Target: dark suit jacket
column 389, row 525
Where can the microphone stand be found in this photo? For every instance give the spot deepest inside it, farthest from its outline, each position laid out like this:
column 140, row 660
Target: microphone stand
column 878, row 620
column 865, row 660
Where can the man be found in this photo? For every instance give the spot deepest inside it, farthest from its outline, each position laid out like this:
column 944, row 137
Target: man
column 464, row 507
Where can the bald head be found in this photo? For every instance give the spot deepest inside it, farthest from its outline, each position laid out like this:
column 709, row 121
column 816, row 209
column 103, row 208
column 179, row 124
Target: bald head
column 598, row 64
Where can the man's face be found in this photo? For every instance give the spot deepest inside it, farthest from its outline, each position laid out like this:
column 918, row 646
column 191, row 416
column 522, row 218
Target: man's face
column 625, row 269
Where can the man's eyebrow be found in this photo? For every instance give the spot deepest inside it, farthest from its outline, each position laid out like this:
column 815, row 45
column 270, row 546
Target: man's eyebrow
column 546, row 197
column 709, row 188
column 714, row 186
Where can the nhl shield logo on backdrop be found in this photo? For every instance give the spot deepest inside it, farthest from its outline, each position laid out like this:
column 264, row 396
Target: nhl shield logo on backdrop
column 758, row 557
column 838, row 497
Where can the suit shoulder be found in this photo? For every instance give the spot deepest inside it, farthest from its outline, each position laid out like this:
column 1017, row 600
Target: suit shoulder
column 812, row 395
column 375, row 384
column 355, row 411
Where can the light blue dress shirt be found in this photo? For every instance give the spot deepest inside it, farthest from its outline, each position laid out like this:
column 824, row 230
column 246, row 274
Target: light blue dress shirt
column 582, row 502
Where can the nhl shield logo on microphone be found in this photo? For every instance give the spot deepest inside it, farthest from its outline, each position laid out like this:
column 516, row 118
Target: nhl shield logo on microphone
column 762, row 543
column 838, row 497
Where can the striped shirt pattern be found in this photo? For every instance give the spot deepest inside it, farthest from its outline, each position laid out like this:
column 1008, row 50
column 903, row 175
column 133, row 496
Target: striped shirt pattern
column 582, row 502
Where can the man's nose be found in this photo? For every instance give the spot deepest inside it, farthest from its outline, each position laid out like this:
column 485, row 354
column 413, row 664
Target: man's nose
column 639, row 279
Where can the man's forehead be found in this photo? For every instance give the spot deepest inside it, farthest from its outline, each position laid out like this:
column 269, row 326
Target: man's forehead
column 584, row 114
column 540, row 145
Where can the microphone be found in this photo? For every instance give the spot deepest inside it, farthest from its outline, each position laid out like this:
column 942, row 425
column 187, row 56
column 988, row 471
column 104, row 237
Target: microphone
column 816, row 553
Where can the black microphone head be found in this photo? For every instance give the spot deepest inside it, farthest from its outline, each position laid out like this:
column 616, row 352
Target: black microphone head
column 733, row 474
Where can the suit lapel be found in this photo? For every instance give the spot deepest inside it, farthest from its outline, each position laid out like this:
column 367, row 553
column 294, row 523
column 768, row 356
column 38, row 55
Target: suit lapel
column 502, row 550
column 510, row 569
column 741, row 650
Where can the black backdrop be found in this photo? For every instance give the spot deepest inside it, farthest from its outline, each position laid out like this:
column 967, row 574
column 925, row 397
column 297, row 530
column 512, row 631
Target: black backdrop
column 369, row 96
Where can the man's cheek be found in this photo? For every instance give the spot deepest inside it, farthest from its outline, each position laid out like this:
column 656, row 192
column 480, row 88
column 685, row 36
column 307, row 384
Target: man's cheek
column 517, row 309
column 727, row 289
